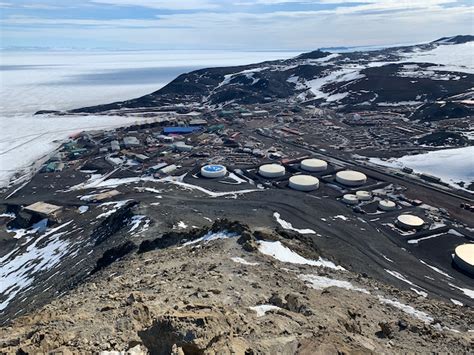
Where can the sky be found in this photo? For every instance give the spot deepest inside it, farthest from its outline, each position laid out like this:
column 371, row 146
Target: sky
column 229, row 24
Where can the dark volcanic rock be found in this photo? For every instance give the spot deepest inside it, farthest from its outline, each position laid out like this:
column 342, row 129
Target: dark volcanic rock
column 44, row 112
column 314, row 55
column 456, row 39
column 114, row 254
column 443, row 139
column 113, row 223
column 441, row 110
column 173, row 238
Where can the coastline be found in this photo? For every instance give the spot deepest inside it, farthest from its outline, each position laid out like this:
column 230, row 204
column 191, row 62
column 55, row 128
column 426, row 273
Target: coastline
column 25, row 160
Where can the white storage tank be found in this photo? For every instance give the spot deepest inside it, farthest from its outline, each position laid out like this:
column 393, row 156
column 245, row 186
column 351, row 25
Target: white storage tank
column 409, row 221
column 351, row 178
column 272, row 170
column 464, row 257
column 314, row 165
column 350, row 199
column 213, row 171
column 304, row 182
column 364, row 195
column 387, row 205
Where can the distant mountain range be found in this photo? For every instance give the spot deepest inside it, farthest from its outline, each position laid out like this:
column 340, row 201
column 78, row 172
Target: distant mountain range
column 409, row 78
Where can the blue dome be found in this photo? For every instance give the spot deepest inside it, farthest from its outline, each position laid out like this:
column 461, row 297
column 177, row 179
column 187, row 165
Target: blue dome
column 213, row 168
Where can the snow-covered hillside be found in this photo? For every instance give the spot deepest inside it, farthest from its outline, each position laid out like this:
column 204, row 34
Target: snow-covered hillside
column 411, row 75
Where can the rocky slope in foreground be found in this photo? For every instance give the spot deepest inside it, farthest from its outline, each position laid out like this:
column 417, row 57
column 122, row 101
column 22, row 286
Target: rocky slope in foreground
column 229, row 289
column 424, row 76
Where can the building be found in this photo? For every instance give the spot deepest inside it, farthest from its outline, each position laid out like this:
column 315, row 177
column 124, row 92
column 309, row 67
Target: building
column 114, row 146
column 351, row 178
column 350, row 199
column 43, row 209
column 198, row 122
column 77, row 152
column 215, row 128
column 131, row 142
column 104, row 195
column 464, row 257
column 213, row 171
column 363, row 195
column 314, row 165
column 272, row 170
column 183, row 147
column 304, row 183
column 156, row 168
column 168, row 169
column 181, row 130
column 430, row 178
column 387, row 205
column 53, row 167
column 291, row 131
column 138, row 157
column 408, row 221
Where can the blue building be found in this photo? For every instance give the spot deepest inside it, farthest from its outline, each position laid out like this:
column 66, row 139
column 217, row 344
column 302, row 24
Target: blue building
column 181, row 130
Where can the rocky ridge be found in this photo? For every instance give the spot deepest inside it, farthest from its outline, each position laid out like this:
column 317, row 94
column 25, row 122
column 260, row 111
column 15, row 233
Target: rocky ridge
column 232, row 289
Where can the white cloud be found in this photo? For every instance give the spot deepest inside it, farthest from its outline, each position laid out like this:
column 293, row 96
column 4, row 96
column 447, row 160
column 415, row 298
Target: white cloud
column 373, row 23
column 354, row 6
column 162, row 4
column 41, row 7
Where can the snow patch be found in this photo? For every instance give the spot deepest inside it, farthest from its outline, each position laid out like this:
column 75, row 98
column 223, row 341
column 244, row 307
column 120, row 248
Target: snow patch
column 418, row 292
column 347, row 74
column 211, row 236
column 288, row 225
column 136, row 221
column 263, row 309
column 182, row 225
column 456, row 302
column 321, row 282
column 286, row 255
column 243, row 261
column 404, row 279
column 116, row 205
column 436, row 270
column 468, row 292
column 83, row 209
column 424, row 317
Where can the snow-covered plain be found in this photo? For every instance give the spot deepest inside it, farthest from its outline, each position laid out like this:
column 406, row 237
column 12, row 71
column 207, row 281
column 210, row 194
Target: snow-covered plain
column 452, row 166
column 33, row 81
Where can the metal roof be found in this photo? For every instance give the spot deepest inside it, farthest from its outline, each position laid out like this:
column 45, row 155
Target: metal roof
column 180, row 130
